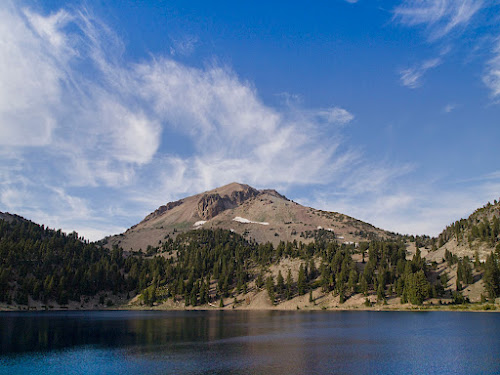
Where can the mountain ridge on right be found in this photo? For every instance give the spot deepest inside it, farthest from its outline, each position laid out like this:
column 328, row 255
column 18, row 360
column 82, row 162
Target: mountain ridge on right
column 474, row 236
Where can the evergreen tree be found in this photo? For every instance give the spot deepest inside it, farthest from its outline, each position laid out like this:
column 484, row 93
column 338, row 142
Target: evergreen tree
column 477, row 262
column 280, row 283
column 492, row 276
column 259, row 283
column 399, row 286
column 363, row 285
column 353, row 279
column 313, row 272
column 146, row 297
column 194, row 295
column 380, row 293
column 270, row 289
column 342, row 296
column 416, row 288
column 301, row 281
column 289, row 285
column 325, row 278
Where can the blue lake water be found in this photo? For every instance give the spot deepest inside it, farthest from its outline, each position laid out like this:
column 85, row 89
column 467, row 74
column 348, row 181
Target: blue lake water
column 249, row 342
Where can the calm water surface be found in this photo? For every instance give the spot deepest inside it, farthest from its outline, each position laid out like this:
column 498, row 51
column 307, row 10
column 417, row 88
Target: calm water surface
column 249, row 342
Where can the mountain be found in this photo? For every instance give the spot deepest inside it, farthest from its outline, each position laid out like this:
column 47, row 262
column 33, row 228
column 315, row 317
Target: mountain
column 479, row 233
column 260, row 215
column 203, row 264
column 11, row 217
column 42, row 267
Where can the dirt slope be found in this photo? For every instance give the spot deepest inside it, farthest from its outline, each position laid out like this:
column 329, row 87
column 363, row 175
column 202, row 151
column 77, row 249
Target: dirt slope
column 262, row 215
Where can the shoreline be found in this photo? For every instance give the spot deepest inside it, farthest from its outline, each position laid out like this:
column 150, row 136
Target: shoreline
column 458, row 308
column 257, row 301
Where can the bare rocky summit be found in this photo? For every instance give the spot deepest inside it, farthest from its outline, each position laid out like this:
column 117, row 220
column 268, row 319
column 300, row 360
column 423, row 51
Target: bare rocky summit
column 260, row 215
column 212, row 204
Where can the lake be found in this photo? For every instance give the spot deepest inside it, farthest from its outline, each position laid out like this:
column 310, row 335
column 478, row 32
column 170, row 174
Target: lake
column 249, row 342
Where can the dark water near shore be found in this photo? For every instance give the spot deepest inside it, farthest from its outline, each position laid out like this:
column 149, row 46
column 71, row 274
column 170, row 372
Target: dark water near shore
column 249, row 342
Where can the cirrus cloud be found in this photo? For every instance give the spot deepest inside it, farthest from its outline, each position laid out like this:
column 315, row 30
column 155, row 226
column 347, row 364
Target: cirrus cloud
column 81, row 126
column 449, row 21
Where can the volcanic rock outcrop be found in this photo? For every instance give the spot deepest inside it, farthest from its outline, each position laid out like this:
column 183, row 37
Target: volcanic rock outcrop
column 242, row 209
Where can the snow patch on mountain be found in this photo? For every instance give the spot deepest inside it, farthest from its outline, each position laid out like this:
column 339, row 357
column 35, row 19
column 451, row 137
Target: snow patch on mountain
column 246, row 221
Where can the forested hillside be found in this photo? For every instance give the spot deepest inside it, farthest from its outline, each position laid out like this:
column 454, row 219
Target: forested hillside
column 482, row 227
column 222, row 268
column 237, row 266
column 49, row 265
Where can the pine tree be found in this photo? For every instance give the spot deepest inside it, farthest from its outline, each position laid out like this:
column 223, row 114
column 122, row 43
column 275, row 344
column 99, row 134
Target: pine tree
column 353, row 279
column 342, row 296
column 194, row 295
column 416, row 288
column 270, row 289
column 259, row 283
column 477, row 262
column 153, row 295
column 280, row 283
column 312, row 270
column 325, row 278
column 146, row 296
column 492, row 276
column 289, row 285
column 301, row 281
column 399, row 286
column 363, row 285
column 380, row 293
column 203, row 299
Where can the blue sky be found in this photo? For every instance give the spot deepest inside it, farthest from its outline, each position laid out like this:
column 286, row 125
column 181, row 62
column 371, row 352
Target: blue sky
column 388, row 111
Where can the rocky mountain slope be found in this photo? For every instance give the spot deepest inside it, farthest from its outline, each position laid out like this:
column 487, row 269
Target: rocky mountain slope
column 261, row 215
column 479, row 233
column 10, row 217
column 198, row 268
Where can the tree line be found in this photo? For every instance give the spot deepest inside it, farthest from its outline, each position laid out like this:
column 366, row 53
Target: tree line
column 204, row 266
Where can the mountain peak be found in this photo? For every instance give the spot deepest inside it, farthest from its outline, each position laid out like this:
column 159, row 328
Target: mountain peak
column 233, row 187
column 230, row 188
column 226, row 197
column 211, row 202
column 262, row 215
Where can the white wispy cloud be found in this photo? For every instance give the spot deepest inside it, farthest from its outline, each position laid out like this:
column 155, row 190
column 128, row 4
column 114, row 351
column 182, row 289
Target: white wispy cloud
column 183, row 45
column 449, row 108
column 86, row 127
column 30, row 92
column 374, row 178
column 412, row 77
column 419, row 209
column 492, row 176
column 439, row 16
column 45, row 99
column 492, row 76
column 337, row 115
column 81, row 134
column 451, row 20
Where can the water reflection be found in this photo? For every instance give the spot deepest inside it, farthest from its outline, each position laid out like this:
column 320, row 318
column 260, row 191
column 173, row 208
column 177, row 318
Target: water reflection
column 249, row 342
